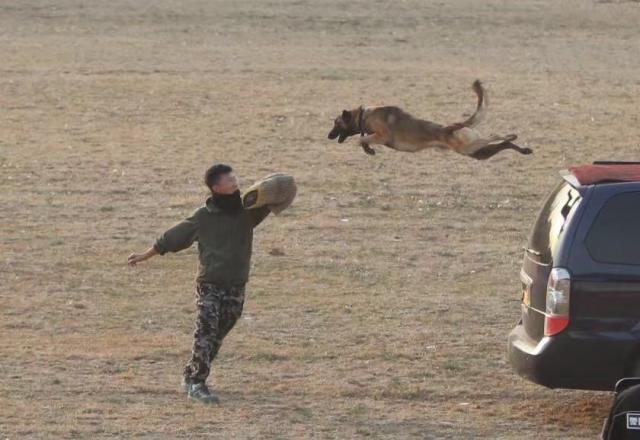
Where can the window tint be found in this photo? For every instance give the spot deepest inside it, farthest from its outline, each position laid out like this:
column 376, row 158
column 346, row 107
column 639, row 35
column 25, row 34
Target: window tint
column 552, row 220
column 614, row 237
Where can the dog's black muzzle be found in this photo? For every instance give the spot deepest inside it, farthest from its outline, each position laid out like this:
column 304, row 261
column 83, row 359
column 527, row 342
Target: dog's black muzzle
column 338, row 133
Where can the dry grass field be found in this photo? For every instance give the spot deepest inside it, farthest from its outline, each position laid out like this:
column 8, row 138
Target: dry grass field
column 380, row 303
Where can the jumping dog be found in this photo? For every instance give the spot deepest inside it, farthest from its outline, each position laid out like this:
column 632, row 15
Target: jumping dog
column 397, row 129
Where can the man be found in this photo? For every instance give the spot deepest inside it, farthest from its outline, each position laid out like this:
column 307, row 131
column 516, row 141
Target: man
column 224, row 232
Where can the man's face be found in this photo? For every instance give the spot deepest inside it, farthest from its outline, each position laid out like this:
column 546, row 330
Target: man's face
column 226, row 184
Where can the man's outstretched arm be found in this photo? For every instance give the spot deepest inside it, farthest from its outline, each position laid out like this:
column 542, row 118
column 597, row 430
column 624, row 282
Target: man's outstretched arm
column 179, row 237
column 139, row 258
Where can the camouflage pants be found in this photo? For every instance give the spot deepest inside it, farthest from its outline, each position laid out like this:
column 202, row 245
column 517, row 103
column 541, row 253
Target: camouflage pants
column 218, row 310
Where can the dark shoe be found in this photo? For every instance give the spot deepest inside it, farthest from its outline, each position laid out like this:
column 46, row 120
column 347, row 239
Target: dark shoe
column 200, row 392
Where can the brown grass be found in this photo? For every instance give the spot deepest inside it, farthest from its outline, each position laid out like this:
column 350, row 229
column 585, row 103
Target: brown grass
column 392, row 324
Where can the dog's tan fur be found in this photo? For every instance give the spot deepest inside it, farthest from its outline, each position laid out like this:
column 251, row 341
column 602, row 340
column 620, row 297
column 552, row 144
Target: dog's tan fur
column 397, row 129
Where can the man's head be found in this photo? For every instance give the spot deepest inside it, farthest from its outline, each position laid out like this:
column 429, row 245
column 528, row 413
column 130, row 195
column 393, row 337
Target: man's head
column 221, row 180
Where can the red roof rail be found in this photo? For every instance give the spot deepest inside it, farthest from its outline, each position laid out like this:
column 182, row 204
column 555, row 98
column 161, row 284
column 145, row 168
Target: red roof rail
column 605, row 172
column 614, row 162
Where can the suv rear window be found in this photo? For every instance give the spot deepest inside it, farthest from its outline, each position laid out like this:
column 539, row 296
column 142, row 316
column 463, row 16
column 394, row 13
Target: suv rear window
column 614, row 237
column 551, row 221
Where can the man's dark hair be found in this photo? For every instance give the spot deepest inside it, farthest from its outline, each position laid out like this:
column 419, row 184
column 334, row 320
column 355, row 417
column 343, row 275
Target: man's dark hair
column 213, row 173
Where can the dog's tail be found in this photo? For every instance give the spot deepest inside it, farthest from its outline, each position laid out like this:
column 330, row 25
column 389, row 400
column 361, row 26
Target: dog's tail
column 481, row 109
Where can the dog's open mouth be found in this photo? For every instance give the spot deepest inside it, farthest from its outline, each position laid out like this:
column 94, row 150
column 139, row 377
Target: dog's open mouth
column 337, row 133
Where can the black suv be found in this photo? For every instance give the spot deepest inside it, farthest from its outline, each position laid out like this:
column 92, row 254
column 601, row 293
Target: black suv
column 580, row 323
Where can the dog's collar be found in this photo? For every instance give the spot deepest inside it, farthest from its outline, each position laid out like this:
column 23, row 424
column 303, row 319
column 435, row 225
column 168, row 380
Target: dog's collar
column 361, row 121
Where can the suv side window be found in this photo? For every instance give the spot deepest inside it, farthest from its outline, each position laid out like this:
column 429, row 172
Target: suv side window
column 614, row 236
column 551, row 221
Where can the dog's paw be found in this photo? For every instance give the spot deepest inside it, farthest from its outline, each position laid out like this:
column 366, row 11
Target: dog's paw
column 526, row 151
column 370, row 151
column 367, row 149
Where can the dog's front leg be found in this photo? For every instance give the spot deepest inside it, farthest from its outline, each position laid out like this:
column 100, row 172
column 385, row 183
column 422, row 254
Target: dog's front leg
column 365, row 141
column 367, row 149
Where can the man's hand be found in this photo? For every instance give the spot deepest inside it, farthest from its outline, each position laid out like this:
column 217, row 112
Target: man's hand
column 135, row 259
column 139, row 258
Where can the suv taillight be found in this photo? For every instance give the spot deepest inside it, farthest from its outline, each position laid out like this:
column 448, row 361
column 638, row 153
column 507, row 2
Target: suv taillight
column 556, row 316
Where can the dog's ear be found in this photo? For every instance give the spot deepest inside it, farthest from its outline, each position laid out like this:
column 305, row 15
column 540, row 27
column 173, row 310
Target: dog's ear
column 346, row 116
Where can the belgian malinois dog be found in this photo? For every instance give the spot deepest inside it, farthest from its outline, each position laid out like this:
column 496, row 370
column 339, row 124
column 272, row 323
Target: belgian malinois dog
column 397, row 129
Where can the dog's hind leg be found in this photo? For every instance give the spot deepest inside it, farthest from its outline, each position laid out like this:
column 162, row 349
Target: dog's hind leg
column 491, row 150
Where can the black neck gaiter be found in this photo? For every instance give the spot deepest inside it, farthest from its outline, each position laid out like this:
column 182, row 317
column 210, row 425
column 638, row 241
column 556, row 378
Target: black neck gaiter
column 228, row 202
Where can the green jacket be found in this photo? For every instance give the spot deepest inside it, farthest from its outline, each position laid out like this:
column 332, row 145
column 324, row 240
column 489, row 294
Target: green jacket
column 224, row 242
